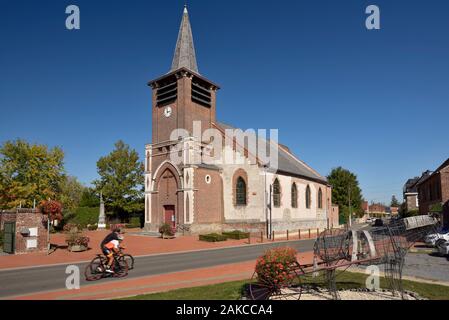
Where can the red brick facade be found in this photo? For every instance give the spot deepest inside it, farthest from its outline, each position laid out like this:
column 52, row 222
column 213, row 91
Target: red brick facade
column 208, row 204
column 435, row 190
column 27, row 220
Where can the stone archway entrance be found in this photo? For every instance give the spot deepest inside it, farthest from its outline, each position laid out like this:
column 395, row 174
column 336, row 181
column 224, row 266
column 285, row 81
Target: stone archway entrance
column 169, row 207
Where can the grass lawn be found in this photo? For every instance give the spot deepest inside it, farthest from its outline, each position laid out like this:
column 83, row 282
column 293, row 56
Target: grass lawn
column 222, row 291
column 234, row 290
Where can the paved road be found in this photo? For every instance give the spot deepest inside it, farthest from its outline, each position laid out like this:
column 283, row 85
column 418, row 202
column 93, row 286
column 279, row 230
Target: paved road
column 427, row 266
column 27, row 281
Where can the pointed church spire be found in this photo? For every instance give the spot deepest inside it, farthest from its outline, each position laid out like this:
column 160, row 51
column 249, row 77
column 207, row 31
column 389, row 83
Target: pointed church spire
column 185, row 56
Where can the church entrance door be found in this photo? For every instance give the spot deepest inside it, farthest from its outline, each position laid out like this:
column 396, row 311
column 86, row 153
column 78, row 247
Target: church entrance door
column 170, row 217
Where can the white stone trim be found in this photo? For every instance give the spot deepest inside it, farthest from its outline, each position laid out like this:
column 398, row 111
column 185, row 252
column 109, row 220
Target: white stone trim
column 156, row 173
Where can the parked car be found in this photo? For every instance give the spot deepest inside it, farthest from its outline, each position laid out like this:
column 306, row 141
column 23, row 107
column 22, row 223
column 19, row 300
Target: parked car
column 442, row 247
column 378, row 223
column 431, row 239
column 370, row 220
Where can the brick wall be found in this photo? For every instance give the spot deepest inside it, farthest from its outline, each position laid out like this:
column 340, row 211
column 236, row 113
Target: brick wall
column 334, row 219
column 27, row 219
column 208, row 204
column 445, row 194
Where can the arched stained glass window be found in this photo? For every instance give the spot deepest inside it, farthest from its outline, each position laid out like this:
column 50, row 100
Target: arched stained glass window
column 320, row 199
column 276, row 193
column 241, row 192
column 308, row 198
column 294, row 196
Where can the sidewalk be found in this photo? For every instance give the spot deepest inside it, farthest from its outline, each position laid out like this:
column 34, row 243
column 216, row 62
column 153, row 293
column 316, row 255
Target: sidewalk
column 137, row 245
column 160, row 283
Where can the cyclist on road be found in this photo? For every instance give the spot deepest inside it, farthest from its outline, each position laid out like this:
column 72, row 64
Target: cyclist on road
column 111, row 245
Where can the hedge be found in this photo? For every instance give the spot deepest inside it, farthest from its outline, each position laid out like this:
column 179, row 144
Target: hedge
column 1, row 238
column 84, row 216
column 236, row 235
column 134, row 223
column 213, row 237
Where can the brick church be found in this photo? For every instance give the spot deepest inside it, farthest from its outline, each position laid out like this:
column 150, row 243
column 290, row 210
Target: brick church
column 203, row 197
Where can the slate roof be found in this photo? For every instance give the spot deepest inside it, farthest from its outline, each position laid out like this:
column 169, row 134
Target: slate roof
column 410, row 185
column 288, row 163
column 185, row 56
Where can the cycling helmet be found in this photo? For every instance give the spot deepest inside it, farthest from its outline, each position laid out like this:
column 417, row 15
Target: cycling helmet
column 120, row 237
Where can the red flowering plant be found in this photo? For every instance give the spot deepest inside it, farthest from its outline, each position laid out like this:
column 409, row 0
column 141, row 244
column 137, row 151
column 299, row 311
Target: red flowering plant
column 70, row 226
column 276, row 267
column 53, row 209
column 75, row 238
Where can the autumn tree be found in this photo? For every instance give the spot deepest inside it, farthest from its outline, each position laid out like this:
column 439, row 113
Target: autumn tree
column 29, row 173
column 121, row 180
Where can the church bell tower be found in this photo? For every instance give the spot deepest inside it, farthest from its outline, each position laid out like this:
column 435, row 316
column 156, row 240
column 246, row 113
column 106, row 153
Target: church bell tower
column 183, row 95
column 179, row 98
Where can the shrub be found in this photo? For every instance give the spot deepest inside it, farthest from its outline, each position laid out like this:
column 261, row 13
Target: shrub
column 84, row 216
column 412, row 213
column 134, row 223
column 71, row 226
column 236, row 235
column 1, row 238
column 167, row 230
column 76, row 238
column 92, row 227
column 213, row 237
column 275, row 266
column 120, row 226
column 436, row 208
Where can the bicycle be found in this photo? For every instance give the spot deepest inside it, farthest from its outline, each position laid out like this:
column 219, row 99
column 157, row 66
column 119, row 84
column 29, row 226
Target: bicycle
column 96, row 269
column 129, row 259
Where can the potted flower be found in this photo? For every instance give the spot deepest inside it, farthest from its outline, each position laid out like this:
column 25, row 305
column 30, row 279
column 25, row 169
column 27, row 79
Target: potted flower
column 275, row 266
column 76, row 242
column 167, row 231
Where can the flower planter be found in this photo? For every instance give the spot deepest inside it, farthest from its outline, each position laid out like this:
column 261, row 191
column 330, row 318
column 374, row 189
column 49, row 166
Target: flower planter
column 166, row 236
column 77, row 248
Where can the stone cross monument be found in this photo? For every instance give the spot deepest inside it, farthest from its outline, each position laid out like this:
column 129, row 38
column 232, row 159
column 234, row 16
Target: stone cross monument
column 102, row 217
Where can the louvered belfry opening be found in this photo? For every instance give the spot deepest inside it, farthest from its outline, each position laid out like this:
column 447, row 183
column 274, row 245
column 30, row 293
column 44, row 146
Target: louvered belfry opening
column 167, row 91
column 201, row 93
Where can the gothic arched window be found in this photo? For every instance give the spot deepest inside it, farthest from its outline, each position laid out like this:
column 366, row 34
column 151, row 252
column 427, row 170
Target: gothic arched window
column 276, row 193
column 308, row 198
column 294, row 196
column 240, row 192
column 320, row 199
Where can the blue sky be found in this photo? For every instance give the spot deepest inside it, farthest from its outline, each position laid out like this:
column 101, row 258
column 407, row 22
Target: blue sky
column 375, row 102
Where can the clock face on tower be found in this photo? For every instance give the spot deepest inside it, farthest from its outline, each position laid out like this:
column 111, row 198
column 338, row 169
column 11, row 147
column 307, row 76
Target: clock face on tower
column 167, row 112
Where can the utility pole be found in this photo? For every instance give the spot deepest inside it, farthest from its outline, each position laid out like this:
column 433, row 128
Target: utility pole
column 350, row 208
column 271, row 213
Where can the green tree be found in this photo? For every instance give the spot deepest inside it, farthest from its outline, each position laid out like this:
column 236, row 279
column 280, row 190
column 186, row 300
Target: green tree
column 89, row 198
column 395, row 202
column 71, row 191
column 121, row 180
column 29, row 172
column 345, row 186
